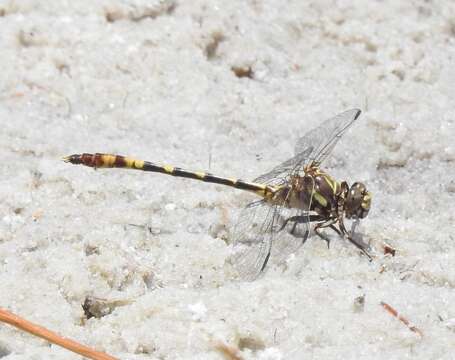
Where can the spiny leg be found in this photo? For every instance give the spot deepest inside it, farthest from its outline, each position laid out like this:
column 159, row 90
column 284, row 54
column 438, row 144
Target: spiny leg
column 299, row 219
column 311, row 218
column 336, row 230
column 358, row 245
column 324, row 237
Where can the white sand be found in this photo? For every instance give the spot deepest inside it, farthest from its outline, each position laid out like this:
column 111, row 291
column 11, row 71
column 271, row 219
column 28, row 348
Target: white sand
column 154, row 80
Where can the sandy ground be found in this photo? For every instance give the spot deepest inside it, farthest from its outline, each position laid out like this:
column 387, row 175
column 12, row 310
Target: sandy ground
column 226, row 87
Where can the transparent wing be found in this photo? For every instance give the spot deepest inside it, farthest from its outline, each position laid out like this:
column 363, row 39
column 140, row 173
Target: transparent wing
column 264, row 234
column 252, row 239
column 279, row 174
column 255, row 235
column 323, row 139
column 313, row 147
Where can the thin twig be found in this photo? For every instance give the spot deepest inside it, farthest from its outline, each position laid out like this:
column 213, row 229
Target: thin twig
column 22, row 324
column 405, row 321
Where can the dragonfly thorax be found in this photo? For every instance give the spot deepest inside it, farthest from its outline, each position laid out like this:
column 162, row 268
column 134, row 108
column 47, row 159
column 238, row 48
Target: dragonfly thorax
column 315, row 191
column 321, row 191
column 318, row 192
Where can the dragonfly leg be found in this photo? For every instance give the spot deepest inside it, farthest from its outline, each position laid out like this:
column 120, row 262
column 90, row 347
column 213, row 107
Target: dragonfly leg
column 358, row 244
column 361, row 246
column 336, row 230
column 324, row 237
column 300, row 219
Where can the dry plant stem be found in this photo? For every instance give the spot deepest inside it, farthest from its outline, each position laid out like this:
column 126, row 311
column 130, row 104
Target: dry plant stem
column 22, row 324
column 405, row 321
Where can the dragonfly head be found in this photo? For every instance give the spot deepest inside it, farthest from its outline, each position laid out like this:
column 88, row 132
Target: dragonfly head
column 358, row 201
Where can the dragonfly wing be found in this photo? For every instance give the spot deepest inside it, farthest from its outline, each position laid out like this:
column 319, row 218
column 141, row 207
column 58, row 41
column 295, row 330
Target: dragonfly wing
column 313, row 147
column 279, row 174
column 253, row 236
column 323, row 139
column 265, row 234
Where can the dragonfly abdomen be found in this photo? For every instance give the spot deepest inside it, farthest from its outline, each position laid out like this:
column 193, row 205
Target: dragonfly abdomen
column 99, row 160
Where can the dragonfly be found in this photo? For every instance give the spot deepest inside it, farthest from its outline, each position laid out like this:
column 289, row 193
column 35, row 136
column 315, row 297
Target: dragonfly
column 296, row 196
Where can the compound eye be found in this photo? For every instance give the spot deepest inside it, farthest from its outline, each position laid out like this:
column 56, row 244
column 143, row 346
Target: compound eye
column 356, row 193
column 366, row 200
column 365, row 204
column 358, row 201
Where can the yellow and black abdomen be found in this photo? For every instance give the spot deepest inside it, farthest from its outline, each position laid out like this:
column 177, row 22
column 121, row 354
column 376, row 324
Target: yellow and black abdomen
column 105, row 161
column 117, row 161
